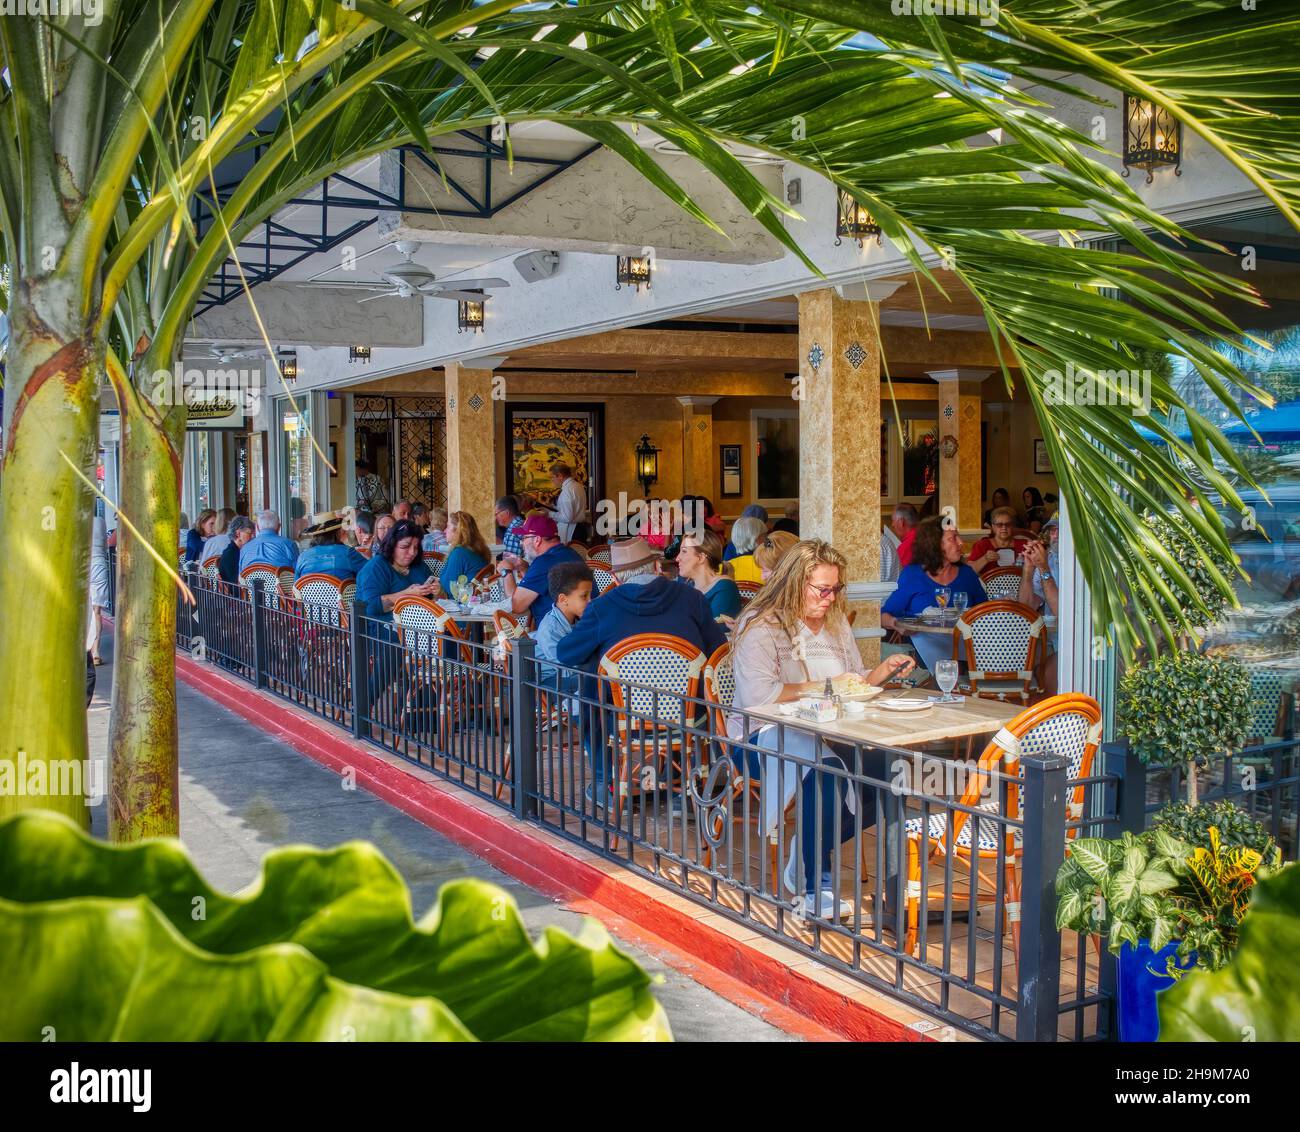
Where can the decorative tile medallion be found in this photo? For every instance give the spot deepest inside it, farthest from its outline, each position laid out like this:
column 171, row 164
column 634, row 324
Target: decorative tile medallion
column 856, row 355
column 475, row 402
column 816, row 356
column 451, row 404
column 703, row 426
column 948, row 411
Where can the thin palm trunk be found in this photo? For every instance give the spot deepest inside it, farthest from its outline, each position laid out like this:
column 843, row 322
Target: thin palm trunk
column 51, row 373
column 144, row 776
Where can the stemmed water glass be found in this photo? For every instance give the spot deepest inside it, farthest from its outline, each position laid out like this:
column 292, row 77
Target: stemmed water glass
column 941, row 596
column 945, row 675
column 960, row 600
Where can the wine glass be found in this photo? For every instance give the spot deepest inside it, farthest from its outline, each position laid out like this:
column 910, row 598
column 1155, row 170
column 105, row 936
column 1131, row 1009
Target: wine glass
column 945, row 675
column 941, row 596
column 960, row 600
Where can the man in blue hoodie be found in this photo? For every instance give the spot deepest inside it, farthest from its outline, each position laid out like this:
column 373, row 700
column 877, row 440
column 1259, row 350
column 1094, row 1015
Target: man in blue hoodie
column 642, row 602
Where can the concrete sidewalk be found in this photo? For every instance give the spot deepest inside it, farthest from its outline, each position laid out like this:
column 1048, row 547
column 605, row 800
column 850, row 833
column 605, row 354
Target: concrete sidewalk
column 243, row 793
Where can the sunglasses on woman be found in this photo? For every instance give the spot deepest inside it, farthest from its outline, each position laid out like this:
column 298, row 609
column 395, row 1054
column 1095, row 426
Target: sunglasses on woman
column 824, row 592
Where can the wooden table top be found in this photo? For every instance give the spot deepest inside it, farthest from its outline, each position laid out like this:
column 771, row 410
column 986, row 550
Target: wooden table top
column 972, row 716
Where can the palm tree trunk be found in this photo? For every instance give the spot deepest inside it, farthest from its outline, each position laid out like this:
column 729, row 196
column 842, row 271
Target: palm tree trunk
column 144, row 776
column 52, row 387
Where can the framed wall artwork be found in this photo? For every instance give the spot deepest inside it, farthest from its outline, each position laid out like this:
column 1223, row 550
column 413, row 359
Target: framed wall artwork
column 731, row 474
column 539, row 435
column 1042, row 462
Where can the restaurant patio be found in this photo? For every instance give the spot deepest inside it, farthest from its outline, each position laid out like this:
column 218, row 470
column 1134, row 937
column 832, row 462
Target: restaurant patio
column 852, row 502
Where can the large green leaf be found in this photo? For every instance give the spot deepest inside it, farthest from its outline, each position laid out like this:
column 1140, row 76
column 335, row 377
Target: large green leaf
column 332, row 926
column 1256, row 997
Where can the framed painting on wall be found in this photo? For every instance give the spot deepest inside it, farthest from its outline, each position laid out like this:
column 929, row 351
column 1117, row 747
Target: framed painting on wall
column 731, row 474
column 1042, row 462
column 538, row 436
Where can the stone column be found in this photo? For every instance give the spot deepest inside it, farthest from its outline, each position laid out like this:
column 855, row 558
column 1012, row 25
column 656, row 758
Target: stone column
column 839, row 433
column 697, row 446
column 471, row 447
column 960, row 403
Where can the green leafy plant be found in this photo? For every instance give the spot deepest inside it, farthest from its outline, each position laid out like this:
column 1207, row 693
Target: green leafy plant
column 1181, row 709
column 1236, row 828
column 1255, row 997
column 1204, row 601
column 104, row 942
column 1184, row 879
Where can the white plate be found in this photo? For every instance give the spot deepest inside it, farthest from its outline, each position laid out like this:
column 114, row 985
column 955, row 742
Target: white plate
column 904, row 705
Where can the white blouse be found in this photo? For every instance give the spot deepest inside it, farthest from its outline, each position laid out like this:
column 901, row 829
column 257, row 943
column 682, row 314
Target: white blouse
column 765, row 658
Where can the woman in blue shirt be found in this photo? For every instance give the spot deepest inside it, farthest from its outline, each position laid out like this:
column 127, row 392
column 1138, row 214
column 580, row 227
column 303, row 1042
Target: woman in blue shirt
column 467, row 553
column 397, row 570
column 936, row 561
column 699, row 562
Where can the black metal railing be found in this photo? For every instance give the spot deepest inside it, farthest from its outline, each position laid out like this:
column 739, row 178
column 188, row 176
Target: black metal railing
column 755, row 824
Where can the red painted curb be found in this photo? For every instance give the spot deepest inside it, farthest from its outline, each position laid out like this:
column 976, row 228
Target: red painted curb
column 795, row 1002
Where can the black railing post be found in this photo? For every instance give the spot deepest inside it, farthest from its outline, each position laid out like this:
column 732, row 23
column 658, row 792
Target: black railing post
column 1042, row 812
column 360, row 672
column 1131, row 804
column 523, row 727
column 259, row 636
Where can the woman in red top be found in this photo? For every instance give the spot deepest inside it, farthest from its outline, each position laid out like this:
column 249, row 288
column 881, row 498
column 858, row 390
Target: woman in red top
column 984, row 555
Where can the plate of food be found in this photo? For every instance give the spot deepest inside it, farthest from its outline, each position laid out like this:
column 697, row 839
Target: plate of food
column 852, row 687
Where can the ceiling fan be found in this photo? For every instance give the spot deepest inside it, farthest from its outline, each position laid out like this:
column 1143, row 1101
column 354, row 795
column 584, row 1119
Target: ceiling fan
column 408, row 279
column 226, row 352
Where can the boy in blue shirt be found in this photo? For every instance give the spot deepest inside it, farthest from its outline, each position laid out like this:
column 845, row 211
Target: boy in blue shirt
column 570, row 585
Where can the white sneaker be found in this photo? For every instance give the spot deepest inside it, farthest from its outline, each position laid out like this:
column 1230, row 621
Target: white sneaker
column 793, row 881
column 824, row 906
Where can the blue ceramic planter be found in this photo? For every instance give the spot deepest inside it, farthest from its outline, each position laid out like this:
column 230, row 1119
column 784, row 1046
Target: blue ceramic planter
column 1138, row 985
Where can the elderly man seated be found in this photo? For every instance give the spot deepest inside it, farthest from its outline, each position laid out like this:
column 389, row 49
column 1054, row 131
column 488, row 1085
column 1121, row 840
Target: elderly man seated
column 327, row 554
column 643, row 602
column 269, row 547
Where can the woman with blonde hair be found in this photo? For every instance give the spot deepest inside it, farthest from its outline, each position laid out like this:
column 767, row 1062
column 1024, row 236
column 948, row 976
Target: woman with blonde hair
column 771, row 550
column 699, row 562
column 435, row 537
column 220, row 539
column 467, row 553
column 794, row 637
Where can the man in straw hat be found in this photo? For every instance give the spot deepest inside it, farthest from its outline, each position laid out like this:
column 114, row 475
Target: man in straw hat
column 642, row 602
column 326, row 554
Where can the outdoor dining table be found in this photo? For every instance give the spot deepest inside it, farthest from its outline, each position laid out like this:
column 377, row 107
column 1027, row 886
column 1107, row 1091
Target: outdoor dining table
column 969, row 716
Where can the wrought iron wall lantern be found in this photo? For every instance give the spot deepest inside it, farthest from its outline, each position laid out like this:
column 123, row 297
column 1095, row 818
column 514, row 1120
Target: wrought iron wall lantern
column 647, row 464
column 358, row 354
column 1153, row 137
column 633, row 271
column 470, row 314
column 287, row 363
column 854, row 221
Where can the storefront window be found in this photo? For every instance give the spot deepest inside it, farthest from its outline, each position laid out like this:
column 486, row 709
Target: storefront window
column 299, row 465
column 202, row 471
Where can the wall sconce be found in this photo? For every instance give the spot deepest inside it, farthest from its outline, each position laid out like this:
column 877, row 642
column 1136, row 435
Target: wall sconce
column 470, row 314
column 853, row 220
column 424, row 471
column 632, row 271
column 287, row 362
column 358, row 354
column 1153, row 137
column 647, row 465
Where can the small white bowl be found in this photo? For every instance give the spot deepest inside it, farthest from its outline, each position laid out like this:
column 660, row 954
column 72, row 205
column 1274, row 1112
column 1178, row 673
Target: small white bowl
column 855, row 708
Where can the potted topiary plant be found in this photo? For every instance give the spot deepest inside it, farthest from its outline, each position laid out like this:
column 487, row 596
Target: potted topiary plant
column 1168, row 899
column 1182, row 709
